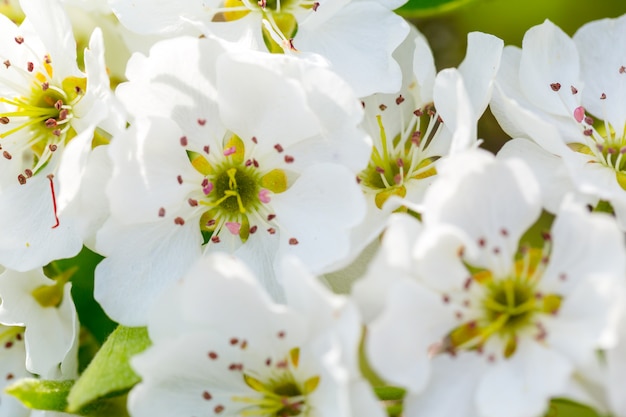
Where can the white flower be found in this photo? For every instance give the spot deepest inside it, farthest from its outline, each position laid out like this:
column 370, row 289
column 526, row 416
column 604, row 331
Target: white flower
column 471, row 306
column 235, row 169
column 45, row 308
column 49, row 111
column 432, row 116
column 221, row 347
column 567, row 96
column 356, row 36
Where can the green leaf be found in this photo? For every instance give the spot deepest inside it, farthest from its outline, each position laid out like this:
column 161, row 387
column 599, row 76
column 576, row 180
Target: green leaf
column 109, row 373
column 424, row 8
column 90, row 314
column 41, row 394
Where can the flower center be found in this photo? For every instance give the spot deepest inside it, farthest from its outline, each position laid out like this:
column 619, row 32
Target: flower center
column 396, row 162
column 39, row 122
column 281, row 394
column 235, row 191
column 507, row 307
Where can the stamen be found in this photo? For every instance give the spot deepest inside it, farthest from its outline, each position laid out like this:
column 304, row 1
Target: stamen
column 54, row 201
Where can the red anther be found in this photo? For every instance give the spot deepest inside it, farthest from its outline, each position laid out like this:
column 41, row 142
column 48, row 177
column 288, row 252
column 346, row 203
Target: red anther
column 399, row 99
column 4, row 120
column 278, row 148
column 179, row 221
column 288, row 159
column 293, row 241
column 19, row 40
column 315, row 6
column 183, row 141
column 574, row 89
column 555, row 86
column 201, row 122
column 30, row 66
column 206, row 149
column 382, row 107
column 162, row 212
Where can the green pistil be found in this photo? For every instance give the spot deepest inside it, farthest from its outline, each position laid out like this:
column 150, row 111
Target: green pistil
column 510, row 303
column 236, row 191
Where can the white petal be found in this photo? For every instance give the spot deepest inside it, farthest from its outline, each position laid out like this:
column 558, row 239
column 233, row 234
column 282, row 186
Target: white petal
column 147, row 159
column 362, row 34
column 555, row 181
column 453, row 377
column 455, row 108
column 29, row 240
column 602, row 57
column 50, row 332
column 283, row 116
column 522, row 385
column 142, row 261
column 479, row 68
column 549, row 56
column 398, row 341
column 393, row 262
column 55, row 30
column 424, row 70
column 504, row 201
column 177, row 81
column 160, row 16
column 309, row 212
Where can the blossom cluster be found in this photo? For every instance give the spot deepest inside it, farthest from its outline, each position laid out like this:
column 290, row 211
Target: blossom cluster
column 293, row 201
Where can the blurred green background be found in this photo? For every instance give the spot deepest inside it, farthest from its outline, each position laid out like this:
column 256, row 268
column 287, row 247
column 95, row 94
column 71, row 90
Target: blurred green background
column 446, row 27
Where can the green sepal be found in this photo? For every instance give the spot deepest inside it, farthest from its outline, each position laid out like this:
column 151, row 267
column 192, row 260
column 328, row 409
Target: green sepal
column 109, row 373
column 424, row 8
column 41, row 394
column 387, row 393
